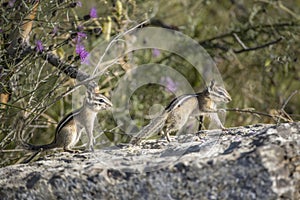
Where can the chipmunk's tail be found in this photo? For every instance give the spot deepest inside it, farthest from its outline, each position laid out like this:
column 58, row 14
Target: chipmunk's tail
column 32, row 147
column 19, row 132
column 150, row 129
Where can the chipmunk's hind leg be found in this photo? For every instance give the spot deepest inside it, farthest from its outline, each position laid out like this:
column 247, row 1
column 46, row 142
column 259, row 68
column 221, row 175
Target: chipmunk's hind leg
column 67, row 138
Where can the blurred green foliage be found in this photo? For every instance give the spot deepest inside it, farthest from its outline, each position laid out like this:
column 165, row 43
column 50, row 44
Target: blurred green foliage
column 260, row 77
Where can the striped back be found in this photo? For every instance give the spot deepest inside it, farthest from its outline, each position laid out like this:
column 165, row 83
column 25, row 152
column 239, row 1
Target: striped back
column 177, row 102
column 66, row 120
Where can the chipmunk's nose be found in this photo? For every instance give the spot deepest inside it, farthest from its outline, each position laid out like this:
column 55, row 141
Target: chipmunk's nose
column 109, row 104
column 228, row 99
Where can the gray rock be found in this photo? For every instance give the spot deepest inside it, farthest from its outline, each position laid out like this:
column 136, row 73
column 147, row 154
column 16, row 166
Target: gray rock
column 254, row 162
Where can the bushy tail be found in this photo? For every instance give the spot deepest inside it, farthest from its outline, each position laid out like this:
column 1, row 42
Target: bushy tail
column 32, row 147
column 26, row 145
column 150, row 129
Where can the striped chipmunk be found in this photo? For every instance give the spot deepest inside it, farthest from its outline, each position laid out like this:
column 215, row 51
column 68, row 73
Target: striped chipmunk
column 180, row 109
column 68, row 130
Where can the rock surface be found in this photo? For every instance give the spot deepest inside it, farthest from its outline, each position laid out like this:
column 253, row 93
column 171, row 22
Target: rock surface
column 254, row 162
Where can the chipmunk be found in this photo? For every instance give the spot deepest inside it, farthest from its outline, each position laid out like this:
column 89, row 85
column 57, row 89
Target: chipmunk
column 180, row 109
column 68, row 130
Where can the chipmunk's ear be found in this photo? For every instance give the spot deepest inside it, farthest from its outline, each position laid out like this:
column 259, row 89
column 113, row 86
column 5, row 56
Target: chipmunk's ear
column 93, row 89
column 97, row 90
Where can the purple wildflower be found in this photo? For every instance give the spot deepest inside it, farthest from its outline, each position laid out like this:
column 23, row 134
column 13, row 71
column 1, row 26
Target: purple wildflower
column 93, row 13
column 55, row 30
column 11, row 3
column 80, row 50
column 169, row 83
column 39, row 46
column 79, row 4
column 80, row 35
column 80, row 27
column 155, row 52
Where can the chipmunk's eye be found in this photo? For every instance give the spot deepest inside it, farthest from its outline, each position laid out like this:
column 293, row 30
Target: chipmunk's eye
column 101, row 100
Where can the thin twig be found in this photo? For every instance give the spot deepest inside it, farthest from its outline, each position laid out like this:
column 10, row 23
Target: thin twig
column 116, row 39
column 11, row 150
column 282, row 111
column 288, row 99
column 252, row 111
column 278, row 4
column 258, row 47
column 260, row 26
column 239, row 41
column 70, row 70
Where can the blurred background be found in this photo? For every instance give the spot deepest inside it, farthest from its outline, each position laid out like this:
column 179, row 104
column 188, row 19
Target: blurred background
column 255, row 45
